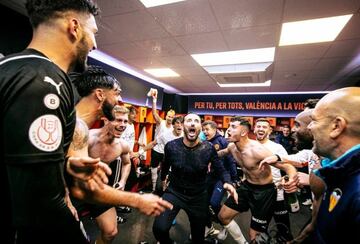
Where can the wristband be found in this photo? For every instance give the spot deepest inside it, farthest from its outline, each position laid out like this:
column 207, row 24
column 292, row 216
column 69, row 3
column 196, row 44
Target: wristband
column 154, row 100
column 278, row 157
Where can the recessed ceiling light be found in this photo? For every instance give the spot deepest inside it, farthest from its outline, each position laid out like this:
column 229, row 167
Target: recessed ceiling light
column 237, row 68
column 117, row 64
column 259, row 55
column 266, row 83
column 164, row 72
column 313, row 30
column 153, row 3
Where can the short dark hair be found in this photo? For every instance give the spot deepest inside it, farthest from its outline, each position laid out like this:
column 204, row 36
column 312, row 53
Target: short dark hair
column 262, row 120
column 40, row 11
column 242, row 121
column 286, row 126
column 178, row 118
column 311, row 102
column 132, row 109
column 94, row 77
column 211, row 123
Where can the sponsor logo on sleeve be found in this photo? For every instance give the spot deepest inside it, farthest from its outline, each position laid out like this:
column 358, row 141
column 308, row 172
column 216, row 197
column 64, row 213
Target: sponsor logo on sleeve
column 52, row 82
column 45, row 133
column 51, row 101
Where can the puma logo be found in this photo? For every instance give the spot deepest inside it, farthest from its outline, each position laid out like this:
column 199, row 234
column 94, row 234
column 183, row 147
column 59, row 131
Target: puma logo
column 52, row 82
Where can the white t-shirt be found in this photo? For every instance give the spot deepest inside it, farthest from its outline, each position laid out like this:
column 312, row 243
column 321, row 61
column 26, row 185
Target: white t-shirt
column 278, row 149
column 166, row 137
column 306, row 156
column 129, row 135
column 161, row 129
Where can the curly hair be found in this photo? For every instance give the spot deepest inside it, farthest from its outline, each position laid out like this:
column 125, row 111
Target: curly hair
column 94, row 77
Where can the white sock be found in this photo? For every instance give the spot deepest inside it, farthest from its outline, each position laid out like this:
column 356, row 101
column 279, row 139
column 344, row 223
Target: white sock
column 235, row 232
column 154, row 176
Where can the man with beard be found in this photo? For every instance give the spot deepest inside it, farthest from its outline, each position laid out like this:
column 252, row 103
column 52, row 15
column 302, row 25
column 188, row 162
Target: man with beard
column 285, row 139
column 257, row 192
column 37, row 97
column 336, row 131
column 189, row 159
column 102, row 144
column 303, row 140
column 100, row 92
column 262, row 131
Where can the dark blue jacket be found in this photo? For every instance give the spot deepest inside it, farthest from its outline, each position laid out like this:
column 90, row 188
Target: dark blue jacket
column 338, row 220
column 228, row 161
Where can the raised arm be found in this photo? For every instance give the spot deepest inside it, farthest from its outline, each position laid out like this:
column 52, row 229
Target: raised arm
column 155, row 114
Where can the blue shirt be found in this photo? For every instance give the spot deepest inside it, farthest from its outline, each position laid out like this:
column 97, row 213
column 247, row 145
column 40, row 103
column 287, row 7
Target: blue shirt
column 338, row 219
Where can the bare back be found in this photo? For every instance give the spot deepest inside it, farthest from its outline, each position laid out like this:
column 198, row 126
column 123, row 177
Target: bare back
column 249, row 157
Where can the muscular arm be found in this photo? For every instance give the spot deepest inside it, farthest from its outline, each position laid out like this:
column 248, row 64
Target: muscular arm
column 148, row 204
column 223, row 152
column 79, row 165
column 79, row 143
column 126, row 166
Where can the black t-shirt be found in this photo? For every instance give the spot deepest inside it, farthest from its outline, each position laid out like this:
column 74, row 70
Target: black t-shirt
column 38, row 120
column 189, row 166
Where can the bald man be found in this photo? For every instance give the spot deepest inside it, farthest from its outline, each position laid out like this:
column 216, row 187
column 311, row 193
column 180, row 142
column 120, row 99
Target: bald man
column 335, row 127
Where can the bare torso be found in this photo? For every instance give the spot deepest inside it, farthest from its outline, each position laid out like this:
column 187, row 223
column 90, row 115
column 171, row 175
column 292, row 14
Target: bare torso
column 106, row 150
column 248, row 155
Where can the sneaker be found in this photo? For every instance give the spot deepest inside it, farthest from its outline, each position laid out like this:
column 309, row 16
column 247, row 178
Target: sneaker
column 120, row 220
column 210, row 240
column 123, row 209
column 211, row 231
column 222, row 234
column 307, row 202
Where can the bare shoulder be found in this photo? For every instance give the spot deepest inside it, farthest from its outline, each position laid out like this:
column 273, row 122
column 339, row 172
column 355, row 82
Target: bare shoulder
column 259, row 150
column 123, row 146
column 231, row 146
column 81, row 135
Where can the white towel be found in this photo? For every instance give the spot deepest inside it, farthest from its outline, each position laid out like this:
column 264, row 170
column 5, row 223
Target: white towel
column 142, row 140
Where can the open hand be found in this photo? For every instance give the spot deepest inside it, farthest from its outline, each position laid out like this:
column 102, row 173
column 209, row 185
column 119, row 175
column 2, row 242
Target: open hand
column 91, row 171
column 153, row 205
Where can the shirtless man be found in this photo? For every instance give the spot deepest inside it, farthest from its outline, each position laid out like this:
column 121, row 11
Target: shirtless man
column 102, row 144
column 258, row 183
column 100, row 92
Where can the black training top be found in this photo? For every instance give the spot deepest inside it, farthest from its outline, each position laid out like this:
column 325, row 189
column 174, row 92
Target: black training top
column 38, row 120
column 189, row 166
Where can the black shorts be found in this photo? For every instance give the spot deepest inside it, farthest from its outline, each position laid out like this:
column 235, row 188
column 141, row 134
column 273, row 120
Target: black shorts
column 156, row 158
column 93, row 210
column 260, row 199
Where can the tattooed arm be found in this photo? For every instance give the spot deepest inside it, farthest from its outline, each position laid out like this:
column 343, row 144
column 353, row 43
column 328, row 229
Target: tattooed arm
column 89, row 171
